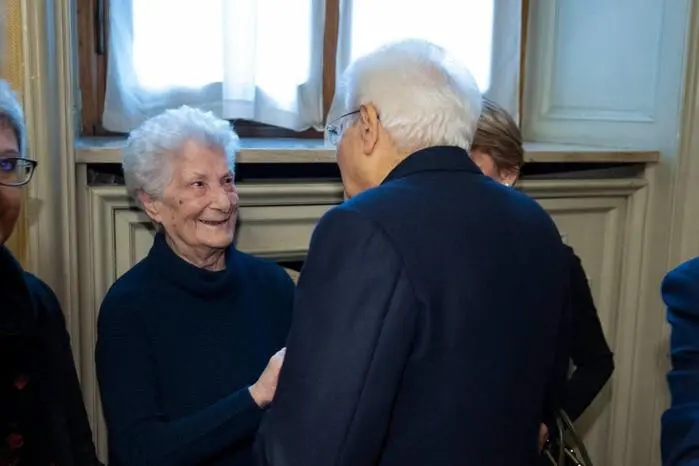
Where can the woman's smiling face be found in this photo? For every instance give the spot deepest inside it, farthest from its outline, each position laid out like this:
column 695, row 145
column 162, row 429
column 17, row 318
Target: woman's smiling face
column 198, row 209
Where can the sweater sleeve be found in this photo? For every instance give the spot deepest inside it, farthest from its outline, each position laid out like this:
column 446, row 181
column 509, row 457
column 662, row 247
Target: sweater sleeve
column 139, row 433
column 589, row 351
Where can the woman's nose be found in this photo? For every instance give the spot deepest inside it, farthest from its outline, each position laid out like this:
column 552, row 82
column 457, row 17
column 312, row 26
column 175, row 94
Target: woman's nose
column 224, row 199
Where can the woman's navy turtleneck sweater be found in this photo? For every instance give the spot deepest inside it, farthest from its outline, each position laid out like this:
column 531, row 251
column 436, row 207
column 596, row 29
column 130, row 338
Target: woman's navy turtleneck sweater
column 178, row 347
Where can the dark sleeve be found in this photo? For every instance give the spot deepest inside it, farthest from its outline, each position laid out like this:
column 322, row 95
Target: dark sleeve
column 78, row 426
column 284, row 305
column 351, row 335
column 680, row 423
column 558, row 380
column 139, row 433
column 589, row 351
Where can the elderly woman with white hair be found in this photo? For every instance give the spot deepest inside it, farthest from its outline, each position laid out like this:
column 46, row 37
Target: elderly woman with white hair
column 42, row 416
column 190, row 340
column 428, row 314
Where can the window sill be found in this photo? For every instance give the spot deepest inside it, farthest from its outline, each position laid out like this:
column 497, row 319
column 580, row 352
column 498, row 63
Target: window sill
column 96, row 150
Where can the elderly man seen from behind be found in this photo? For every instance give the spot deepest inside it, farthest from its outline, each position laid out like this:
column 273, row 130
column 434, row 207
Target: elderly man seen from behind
column 190, row 339
column 424, row 333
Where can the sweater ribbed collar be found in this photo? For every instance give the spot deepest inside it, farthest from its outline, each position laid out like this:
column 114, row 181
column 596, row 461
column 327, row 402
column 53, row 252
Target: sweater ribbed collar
column 187, row 276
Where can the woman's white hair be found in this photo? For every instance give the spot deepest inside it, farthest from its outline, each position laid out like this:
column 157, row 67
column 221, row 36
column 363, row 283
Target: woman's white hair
column 11, row 113
column 424, row 98
column 151, row 148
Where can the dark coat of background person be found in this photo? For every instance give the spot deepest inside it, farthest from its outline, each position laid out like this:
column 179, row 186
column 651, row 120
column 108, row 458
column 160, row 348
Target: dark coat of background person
column 589, row 351
column 680, row 423
column 42, row 415
column 430, row 326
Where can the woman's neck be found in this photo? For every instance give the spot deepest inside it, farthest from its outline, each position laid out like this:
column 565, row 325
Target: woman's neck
column 212, row 259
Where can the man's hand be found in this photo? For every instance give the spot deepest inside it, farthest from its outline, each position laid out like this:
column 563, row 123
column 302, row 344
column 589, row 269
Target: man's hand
column 263, row 390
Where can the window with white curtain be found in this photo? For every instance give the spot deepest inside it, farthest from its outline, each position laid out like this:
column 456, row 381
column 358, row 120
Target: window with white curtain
column 262, row 60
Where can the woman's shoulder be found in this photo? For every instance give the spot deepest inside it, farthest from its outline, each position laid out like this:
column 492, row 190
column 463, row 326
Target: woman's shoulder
column 126, row 294
column 687, row 271
column 259, row 267
column 680, row 287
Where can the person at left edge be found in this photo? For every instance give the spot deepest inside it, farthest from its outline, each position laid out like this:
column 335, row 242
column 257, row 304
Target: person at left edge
column 42, row 415
column 185, row 336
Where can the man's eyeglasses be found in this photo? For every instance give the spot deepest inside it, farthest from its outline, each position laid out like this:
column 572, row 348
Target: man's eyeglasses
column 16, row 171
column 334, row 129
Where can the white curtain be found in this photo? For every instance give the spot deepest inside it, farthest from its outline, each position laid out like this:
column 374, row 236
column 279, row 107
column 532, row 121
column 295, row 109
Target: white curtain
column 259, row 60
column 484, row 35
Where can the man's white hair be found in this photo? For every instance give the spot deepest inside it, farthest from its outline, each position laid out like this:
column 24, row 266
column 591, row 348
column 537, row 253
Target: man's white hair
column 424, row 98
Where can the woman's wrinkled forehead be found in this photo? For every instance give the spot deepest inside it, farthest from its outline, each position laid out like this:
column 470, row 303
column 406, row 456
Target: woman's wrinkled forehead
column 202, row 159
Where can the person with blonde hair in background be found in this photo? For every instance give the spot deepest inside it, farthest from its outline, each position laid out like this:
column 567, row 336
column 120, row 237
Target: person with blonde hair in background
column 42, row 416
column 498, row 150
column 423, row 332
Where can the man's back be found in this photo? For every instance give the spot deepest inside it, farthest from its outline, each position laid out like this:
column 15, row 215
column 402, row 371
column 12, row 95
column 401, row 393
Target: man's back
column 425, row 327
column 486, row 266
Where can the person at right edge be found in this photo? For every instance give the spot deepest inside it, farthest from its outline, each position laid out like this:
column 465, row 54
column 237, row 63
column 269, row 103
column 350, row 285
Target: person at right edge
column 497, row 149
column 429, row 324
column 680, row 423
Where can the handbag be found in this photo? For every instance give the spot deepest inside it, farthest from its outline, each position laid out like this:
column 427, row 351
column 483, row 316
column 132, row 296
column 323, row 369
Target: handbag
column 565, row 448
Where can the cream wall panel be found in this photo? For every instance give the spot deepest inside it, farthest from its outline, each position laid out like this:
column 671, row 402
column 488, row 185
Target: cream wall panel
column 594, row 227
column 591, row 215
column 605, row 73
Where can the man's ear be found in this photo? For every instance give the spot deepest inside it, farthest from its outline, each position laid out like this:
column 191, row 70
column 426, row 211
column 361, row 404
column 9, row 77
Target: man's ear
column 151, row 206
column 368, row 126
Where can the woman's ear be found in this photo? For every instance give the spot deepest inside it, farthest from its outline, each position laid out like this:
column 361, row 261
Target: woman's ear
column 509, row 176
column 151, row 206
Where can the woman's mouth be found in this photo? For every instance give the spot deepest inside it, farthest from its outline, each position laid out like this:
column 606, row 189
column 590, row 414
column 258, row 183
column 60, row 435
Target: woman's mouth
column 214, row 223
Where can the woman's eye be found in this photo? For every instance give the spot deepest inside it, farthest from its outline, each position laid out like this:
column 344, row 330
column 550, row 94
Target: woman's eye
column 228, row 180
column 8, row 165
column 198, row 184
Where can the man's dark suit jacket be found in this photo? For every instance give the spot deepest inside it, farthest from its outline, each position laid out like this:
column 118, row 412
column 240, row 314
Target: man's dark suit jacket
column 680, row 423
column 425, row 326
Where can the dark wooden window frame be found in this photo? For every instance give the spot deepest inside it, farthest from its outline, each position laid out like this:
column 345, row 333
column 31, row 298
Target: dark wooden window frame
column 93, row 36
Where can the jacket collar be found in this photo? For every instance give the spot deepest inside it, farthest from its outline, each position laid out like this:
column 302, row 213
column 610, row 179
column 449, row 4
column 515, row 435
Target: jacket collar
column 438, row 158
